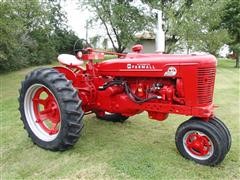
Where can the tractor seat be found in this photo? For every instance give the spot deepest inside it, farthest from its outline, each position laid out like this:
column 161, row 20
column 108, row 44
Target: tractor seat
column 70, row 60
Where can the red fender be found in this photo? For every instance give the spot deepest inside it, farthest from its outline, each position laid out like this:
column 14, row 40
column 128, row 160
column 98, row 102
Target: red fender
column 70, row 75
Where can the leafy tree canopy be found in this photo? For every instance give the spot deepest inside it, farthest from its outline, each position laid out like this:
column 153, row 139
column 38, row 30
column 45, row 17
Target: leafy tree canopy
column 231, row 22
column 121, row 20
column 32, row 32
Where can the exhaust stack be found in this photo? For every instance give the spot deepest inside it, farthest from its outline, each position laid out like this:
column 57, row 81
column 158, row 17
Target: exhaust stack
column 160, row 35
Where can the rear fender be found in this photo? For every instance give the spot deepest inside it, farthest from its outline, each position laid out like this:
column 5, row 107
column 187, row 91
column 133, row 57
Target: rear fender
column 70, row 75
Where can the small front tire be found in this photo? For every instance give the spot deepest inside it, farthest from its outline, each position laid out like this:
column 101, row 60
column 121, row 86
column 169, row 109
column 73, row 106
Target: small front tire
column 201, row 142
column 219, row 124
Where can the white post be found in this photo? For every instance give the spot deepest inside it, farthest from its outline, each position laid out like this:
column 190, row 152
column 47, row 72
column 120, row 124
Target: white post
column 160, row 35
column 87, row 26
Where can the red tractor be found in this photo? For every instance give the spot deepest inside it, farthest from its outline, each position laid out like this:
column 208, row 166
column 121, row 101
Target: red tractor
column 54, row 100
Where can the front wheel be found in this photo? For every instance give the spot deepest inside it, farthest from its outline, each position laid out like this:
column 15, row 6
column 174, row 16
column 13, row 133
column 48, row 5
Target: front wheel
column 201, row 142
column 50, row 109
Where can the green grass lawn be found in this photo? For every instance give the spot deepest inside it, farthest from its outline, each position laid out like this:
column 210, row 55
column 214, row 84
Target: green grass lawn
column 138, row 149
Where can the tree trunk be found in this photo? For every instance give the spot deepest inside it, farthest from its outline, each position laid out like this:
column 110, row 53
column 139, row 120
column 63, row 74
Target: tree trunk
column 237, row 61
column 213, row 53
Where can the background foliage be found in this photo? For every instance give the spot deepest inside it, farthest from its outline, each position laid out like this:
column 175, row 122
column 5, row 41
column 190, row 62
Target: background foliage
column 32, row 32
column 120, row 18
column 192, row 25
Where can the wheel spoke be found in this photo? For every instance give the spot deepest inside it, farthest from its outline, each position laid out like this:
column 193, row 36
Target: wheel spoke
column 204, row 151
column 53, row 129
column 40, row 101
column 190, row 144
column 43, row 117
column 205, row 140
column 54, row 109
column 46, row 111
column 48, row 93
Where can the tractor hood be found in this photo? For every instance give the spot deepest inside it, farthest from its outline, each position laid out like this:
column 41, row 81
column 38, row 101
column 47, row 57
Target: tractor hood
column 152, row 65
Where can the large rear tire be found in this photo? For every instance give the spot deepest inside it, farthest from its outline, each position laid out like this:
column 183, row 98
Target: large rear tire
column 50, row 109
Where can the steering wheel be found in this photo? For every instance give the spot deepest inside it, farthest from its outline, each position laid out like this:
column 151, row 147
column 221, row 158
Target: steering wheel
column 85, row 45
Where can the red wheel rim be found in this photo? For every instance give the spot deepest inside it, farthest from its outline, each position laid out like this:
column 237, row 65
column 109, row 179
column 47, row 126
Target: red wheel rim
column 198, row 144
column 46, row 110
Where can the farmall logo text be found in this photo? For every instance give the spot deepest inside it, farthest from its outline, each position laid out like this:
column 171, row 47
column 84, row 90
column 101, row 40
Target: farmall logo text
column 140, row 66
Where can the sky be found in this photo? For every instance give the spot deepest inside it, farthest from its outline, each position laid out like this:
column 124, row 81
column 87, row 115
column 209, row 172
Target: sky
column 77, row 19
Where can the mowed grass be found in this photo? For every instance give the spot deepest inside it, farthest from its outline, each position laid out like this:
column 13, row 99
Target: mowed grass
column 137, row 149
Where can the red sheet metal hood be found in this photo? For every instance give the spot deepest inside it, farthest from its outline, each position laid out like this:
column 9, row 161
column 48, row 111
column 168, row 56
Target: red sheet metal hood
column 136, row 64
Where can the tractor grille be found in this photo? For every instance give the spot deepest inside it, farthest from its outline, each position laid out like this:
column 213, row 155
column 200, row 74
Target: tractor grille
column 206, row 78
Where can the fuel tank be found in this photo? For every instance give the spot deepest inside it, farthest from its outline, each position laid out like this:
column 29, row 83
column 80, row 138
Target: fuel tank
column 153, row 65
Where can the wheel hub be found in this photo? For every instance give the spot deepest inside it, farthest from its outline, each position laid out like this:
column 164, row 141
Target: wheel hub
column 198, row 145
column 46, row 111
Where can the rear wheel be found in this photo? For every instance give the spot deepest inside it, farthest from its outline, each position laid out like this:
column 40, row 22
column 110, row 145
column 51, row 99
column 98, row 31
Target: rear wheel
column 50, row 109
column 113, row 117
column 201, row 142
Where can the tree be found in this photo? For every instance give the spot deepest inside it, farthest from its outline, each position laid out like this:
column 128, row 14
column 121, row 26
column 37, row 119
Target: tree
column 95, row 40
column 12, row 36
column 105, row 43
column 192, row 24
column 121, row 20
column 231, row 21
column 32, row 32
column 63, row 39
column 200, row 27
